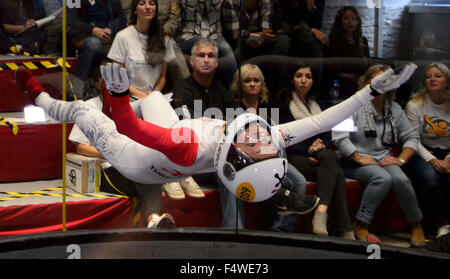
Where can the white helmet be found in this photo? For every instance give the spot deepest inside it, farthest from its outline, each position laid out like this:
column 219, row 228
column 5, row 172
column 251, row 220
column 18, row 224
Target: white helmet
column 250, row 159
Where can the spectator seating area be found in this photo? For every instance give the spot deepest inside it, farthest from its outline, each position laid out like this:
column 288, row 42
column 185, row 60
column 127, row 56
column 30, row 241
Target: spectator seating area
column 24, row 160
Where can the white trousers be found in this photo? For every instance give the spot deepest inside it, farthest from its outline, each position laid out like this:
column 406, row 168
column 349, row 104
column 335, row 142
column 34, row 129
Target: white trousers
column 131, row 159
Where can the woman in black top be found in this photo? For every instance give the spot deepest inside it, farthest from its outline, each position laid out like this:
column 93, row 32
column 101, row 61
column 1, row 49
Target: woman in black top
column 314, row 159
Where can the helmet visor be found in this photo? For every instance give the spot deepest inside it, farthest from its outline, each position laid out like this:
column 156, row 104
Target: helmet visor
column 253, row 143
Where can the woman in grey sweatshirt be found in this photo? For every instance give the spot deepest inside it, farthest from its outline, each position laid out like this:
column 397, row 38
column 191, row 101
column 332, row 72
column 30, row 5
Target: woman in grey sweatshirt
column 367, row 157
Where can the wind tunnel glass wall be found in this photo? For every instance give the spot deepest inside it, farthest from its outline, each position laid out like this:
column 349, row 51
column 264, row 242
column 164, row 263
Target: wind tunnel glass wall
column 261, row 45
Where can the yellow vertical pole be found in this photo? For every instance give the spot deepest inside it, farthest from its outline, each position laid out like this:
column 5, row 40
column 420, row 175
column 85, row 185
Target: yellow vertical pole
column 64, row 91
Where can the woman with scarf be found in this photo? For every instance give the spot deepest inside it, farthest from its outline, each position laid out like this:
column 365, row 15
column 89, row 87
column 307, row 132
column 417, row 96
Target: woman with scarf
column 313, row 158
column 382, row 124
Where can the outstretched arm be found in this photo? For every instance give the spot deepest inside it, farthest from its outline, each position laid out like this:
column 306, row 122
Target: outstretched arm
column 299, row 130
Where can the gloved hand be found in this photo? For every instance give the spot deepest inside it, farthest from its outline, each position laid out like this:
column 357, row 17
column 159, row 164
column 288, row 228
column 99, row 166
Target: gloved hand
column 117, row 79
column 387, row 81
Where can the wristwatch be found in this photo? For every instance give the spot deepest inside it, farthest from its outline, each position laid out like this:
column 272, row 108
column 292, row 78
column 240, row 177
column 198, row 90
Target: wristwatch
column 401, row 160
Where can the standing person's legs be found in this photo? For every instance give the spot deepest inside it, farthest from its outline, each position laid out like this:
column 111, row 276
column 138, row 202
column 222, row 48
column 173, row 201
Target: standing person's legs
column 90, row 50
column 281, row 47
column 186, row 45
column 227, row 61
column 232, row 208
column 150, row 198
column 91, row 54
column 178, row 68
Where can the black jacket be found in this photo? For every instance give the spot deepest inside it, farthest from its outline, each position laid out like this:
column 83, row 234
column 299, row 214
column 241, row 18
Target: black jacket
column 187, row 90
column 103, row 14
column 290, row 13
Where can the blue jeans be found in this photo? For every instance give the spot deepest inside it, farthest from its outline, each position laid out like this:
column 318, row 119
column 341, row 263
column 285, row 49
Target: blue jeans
column 227, row 60
column 435, row 188
column 295, row 182
column 379, row 181
column 230, row 203
column 91, row 54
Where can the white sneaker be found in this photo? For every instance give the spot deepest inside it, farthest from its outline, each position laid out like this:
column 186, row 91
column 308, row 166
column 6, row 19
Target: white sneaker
column 165, row 221
column 191, row 188
column 174, row 191
column 443, row 231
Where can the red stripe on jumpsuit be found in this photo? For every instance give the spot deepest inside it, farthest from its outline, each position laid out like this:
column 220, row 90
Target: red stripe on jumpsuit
column 153, row 136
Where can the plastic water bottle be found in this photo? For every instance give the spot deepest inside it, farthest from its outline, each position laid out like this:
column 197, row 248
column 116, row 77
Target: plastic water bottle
column 334, row 91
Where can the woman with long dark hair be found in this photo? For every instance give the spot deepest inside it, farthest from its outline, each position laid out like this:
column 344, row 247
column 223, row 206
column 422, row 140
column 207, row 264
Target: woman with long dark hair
column 143, row 48
column 313, row 158
column 349, row 45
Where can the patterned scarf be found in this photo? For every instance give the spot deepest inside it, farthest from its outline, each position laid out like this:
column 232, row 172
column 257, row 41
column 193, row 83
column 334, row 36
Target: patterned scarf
column 299, row 110
column 389, row 137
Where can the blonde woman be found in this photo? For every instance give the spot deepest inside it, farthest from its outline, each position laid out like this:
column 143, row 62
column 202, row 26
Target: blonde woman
column 429, row 113
column 382, row 124
column 251, row 93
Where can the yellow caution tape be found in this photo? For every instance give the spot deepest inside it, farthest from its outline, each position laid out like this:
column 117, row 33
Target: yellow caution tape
column 40, row 193
column 12, row 125
column 31, row 65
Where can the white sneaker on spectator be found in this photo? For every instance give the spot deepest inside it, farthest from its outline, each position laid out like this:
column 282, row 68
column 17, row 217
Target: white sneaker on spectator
column 443, row 231
column 191, row 188
column 174, row 191
column 165, row 221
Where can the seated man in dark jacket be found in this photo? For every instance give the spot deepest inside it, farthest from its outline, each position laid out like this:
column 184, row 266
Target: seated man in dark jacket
column 92, row 29
column 204, row 95
column 205, row 85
